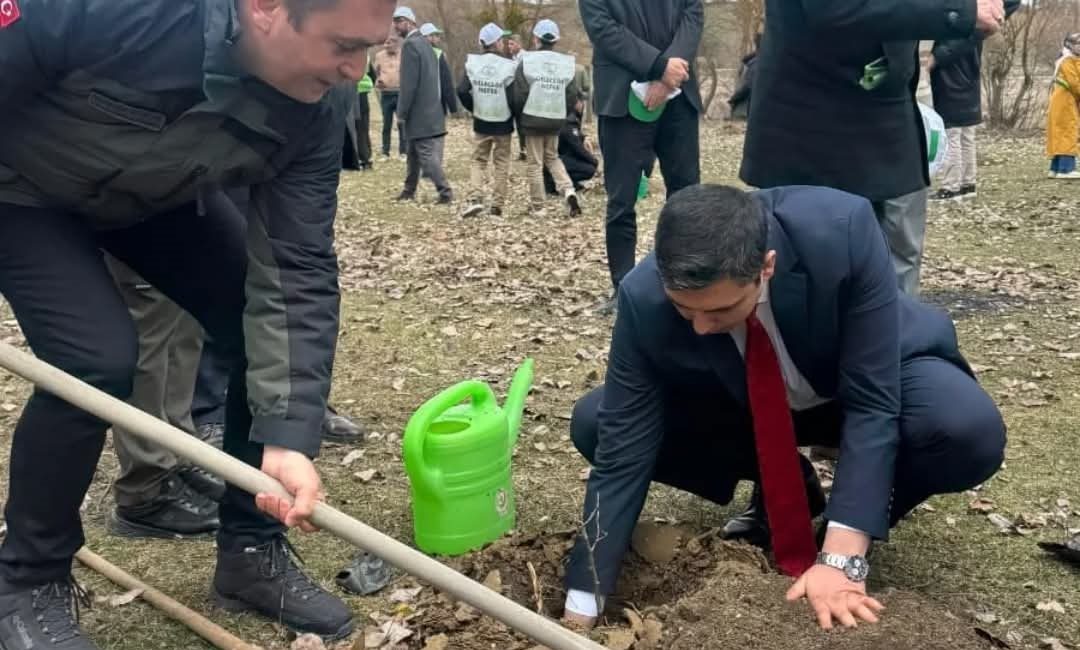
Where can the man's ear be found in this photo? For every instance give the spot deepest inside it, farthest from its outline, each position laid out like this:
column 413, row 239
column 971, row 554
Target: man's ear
column 769, row 269
column 263, row 13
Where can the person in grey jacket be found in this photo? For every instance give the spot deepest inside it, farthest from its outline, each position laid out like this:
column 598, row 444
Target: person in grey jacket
column 420, row 108
column 124, row 121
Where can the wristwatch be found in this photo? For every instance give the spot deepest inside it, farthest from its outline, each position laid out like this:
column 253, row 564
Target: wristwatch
column 855, row 567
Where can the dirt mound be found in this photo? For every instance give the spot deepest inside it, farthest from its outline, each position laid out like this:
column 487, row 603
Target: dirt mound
column 698, row 593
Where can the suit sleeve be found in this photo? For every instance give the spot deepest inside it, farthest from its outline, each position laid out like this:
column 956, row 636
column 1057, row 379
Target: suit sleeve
column 687, row 38
column 409, row 80
column 628, row 442
column 291, row 315
column 892, row 20
column 869, row 382
column 36, row 48
column 949, row 51
column 446, row 85
column 519, row 91
column 615, row 41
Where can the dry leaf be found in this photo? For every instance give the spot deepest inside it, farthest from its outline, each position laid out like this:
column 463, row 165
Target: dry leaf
column 493, row 581
column 1050, row 643
column 982, row 504
column 398, row 384
column 654, row 630
column 540, row 446
column 950, row 520
column 449, row 330
column 585, row 473
column 620, row 640
column 1003, row 524
column 637, row 626
column 1050, row 606
column 352, row 457
column 404, row 595
column 119, row 600
column 8, row 407
column 367, row 475
column 986, row 617
column 308, row 642
column 389, row 633
column 437, row 642
column 1063, row 503
column 465, row 613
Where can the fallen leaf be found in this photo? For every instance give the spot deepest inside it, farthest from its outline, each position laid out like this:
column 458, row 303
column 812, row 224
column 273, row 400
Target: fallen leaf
column 449, row 330
column 404, row 595
column 1014, row 637
column 585, row 473
column 8, row 407
column 620, row 640
column 1033, row 403
column 1050, row 606
column 1050, row 643
column 352, row 457
column 986, row 617
column 950, row 520
column 398, row 384
column 982, row 504
column 1063, row 503
column 367, row 475
column 465, row 613
column 389, row 633
column 119, row 600
column 437, row 642
column 1003, row 524
column 654, row 631
column 308, row 642
column 493, row 581
column 540, row 446
column 637, row 626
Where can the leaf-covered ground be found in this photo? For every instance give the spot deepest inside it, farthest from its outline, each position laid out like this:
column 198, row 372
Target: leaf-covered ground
column 430, row 299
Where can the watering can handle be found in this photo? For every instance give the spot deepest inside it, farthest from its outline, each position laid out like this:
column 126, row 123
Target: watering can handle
column 416, row 430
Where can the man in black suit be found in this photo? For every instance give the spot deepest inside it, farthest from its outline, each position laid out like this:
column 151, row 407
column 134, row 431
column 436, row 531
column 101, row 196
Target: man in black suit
column 855, row 365
column 646, row 41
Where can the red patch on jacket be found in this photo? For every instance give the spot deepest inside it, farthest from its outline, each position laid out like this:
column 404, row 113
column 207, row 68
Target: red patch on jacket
column 9, row 13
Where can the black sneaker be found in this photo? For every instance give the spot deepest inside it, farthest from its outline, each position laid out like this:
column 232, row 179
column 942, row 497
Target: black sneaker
column 405, row 196
column 44, row 617
column 267, row 580
column 338, row 428
column 212, row 433
column 946, row 195
column 574, row 205
column 496, row 211
column 209, row 485
column 445, row 200
column 177, row 512
column 968, row 191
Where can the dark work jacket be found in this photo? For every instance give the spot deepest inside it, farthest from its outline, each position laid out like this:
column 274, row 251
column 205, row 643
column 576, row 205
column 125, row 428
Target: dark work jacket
column 844, row 323
column 118, row 110
column 482, row 127
column 633, row 40
column 956, row 77
column 810, row 121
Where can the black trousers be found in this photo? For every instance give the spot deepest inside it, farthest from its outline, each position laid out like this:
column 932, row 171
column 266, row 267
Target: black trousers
column 363, row 129
column 211, row 385
column 952, row 437
column 388, row 102
column 628, row 147
column 53, row 275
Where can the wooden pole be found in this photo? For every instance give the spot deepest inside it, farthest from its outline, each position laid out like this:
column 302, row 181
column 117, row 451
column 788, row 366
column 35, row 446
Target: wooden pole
column 108, row 408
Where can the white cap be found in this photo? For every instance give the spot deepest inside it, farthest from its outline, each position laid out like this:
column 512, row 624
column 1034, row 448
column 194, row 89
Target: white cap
column 427, row 29
column 404, row 12
column 546, row 30
column 490, row 34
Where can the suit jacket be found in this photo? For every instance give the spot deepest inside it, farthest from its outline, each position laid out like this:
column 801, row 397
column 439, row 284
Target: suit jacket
column 845, row 325
column 633, row 40
column 420, row 104
column 811, row 122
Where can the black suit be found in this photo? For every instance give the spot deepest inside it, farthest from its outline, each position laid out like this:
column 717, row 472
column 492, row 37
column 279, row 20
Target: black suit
column 633, row 41
column 907, row 415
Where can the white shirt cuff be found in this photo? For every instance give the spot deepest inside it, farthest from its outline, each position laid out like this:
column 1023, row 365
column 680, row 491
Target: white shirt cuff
column 581, row 603
column 837, row 524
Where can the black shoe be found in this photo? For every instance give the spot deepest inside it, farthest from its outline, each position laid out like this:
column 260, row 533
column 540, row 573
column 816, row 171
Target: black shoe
column 445, row 200
column 212, row 433
column 522, row 156
column 177, row 512
column 968, row 190
column 44, row 617
column 946, row 195
column 338, row 428
column 267, row 579
column 496, row 212
column 752, row 525
column 209, row 485
column 574, row 205
column 405, row 196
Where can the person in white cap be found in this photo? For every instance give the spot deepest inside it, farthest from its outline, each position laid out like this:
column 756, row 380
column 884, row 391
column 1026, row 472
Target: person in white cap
column 446, row 78
column 484, row 92
column 420, row 108
column 542, row 94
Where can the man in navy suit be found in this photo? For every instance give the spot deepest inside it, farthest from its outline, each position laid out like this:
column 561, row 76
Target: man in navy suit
column 864, row 368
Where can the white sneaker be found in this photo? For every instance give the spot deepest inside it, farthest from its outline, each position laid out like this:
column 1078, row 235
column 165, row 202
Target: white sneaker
column 472, row 210
column 1070, row 176
column 1051, row 174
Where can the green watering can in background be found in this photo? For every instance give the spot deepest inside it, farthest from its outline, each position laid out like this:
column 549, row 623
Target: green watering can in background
column 457, row 456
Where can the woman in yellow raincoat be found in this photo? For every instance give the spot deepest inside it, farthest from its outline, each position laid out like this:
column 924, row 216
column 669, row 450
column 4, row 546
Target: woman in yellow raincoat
column 1063, row 119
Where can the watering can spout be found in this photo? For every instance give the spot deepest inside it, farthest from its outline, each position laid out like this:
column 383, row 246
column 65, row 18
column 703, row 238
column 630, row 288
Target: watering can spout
column 515, row 398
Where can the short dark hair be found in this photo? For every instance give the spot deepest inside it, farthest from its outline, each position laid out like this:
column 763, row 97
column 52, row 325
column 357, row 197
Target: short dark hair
column 709, row 233
column 300, row 9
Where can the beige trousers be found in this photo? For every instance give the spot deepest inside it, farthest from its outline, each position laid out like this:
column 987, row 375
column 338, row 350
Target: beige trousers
column 490, row 168
column 543, row 151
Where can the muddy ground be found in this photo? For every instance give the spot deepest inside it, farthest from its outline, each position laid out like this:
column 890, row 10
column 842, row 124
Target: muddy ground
column 429, row 299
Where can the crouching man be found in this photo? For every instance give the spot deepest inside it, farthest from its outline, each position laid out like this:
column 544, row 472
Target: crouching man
column 764, row 321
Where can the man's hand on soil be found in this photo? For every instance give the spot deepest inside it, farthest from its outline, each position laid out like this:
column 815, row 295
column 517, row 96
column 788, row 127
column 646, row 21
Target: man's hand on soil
column 297, row 473
column 834, row 597
column 578, row 621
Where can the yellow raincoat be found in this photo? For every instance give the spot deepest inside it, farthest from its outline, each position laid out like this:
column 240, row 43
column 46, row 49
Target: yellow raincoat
column 1063, row 118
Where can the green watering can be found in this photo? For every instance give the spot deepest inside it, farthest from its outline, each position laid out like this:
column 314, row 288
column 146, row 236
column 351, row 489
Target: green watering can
column 457, row 456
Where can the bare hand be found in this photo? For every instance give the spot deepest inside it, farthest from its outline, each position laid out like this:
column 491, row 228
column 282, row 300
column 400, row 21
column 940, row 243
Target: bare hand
column 833, row 596
column 297, row 473
column 578, row 621
column 677, row 71
column 989, row 16
column 656, row 95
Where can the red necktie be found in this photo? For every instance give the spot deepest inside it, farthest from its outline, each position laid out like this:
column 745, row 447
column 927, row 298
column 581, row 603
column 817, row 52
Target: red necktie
column 778, row 459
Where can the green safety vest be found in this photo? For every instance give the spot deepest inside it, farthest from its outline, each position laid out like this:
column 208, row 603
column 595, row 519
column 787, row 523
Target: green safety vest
column 365, row 84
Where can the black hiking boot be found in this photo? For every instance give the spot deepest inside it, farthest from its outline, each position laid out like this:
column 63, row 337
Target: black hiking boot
column 209, row 485
column 45, row 617
column 267, row 579
column 177, row 512
column 212, row 433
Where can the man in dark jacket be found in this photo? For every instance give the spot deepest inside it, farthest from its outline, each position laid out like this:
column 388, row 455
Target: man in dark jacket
column 740, row 98
column 123, row 119
column 580, row 163
column 955, row 79
column 762, row 321
column 488, row 99
column 420, row 107
column 657, row 42
column 834, row 105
